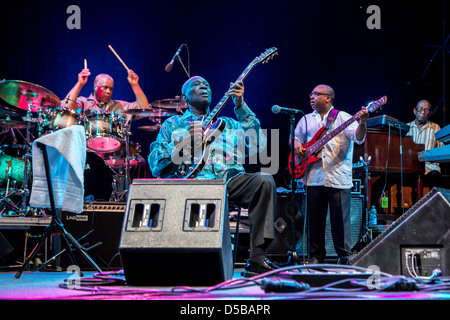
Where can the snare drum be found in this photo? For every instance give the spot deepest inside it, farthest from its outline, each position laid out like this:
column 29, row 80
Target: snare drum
column 61, row 117
column 104, row 131
column 14, row 166
column 118, row 159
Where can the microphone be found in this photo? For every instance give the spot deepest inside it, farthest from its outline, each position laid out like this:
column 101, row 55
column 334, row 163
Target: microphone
column 275, row 284
column 170, row 64
column 277, row 109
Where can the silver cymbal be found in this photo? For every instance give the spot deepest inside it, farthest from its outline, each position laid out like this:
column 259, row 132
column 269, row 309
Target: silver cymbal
column 176, row 104
column 151, row 112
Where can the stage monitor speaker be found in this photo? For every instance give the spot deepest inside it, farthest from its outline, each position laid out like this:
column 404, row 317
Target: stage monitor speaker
column 176, row 232
column 416, row 243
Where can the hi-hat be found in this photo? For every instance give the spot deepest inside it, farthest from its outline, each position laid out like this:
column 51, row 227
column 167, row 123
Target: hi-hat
column 151, row 112
column 20, row 94
column 8, row 111
column 176, row 104
column 8, row 124
column 155, row 127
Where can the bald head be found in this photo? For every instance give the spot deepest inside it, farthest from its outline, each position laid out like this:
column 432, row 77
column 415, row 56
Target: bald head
column 196, row 92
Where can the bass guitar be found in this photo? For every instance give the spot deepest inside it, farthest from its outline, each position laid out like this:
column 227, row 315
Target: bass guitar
column 321, row 138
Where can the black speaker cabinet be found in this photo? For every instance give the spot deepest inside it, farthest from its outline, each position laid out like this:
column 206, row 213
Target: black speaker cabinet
column 176, row 232
column 285, row 236
column 416, row 243
column 102, row 223
column 356, row 214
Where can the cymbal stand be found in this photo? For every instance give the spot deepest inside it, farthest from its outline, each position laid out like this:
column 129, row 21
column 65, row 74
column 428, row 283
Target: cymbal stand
column 127, row 164
column 366, row 162
column 28, row 94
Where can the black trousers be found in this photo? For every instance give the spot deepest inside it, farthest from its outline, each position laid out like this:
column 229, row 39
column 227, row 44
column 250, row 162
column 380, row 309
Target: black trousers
column 339, row 200
column 256, row 192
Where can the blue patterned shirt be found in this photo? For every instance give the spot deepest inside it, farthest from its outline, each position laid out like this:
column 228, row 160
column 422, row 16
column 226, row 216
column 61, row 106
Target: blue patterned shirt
column 240, row 139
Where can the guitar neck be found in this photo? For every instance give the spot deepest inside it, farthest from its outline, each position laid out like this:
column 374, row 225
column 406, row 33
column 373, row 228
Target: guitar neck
column 213, row 114
column 322, row 141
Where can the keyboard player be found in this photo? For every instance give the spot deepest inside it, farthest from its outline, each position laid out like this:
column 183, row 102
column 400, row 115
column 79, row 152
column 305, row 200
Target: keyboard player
column 423, row 131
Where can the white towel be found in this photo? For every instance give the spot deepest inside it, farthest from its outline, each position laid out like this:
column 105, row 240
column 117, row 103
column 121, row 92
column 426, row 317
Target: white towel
column 66, row 149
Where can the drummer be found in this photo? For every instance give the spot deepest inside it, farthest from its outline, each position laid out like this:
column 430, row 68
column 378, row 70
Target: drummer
column 100, row 100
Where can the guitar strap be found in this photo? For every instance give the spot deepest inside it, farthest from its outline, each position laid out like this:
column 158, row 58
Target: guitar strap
column 331, row 117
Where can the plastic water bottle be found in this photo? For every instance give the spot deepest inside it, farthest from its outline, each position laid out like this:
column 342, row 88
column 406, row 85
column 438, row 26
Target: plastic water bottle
column 373, row 217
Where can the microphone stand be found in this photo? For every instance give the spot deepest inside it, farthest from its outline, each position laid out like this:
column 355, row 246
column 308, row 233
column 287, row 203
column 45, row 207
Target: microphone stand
column 179, row 59
column 293, row 257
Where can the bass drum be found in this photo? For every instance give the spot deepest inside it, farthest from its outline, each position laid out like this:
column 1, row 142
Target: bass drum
column 98, row 179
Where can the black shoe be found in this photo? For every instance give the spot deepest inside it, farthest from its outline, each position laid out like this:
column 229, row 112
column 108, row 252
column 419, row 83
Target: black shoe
column 253, row 268
column 315, row 260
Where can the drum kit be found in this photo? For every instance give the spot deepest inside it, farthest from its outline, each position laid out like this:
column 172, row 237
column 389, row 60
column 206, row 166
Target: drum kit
column 107, row 141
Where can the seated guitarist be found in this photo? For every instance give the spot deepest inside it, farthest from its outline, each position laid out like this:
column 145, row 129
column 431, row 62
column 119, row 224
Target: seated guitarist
column 328, row 181
column 255, row 191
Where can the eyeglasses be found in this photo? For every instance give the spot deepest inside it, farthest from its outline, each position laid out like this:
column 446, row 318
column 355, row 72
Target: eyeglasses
column 422, row 110
column 318, row 94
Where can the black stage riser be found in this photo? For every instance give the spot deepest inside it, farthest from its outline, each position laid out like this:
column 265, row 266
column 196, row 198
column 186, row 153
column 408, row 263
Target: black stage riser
column 416, row 243
column 164, row 238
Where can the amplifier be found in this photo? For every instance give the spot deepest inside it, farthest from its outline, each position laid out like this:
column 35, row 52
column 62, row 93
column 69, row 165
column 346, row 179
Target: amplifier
column 104, row 206
column 102, row 221
column 356, row 221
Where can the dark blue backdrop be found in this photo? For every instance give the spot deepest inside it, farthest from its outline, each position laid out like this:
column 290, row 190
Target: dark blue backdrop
column 318, row 41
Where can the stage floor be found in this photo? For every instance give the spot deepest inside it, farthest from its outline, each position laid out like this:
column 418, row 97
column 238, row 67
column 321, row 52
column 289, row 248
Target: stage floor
column 313, row 282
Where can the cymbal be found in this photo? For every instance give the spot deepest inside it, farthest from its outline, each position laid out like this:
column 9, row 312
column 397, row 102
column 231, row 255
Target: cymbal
column 170, row 104
column 8, row 124
column 151, row 112
column 155, row 127
column 19, row 93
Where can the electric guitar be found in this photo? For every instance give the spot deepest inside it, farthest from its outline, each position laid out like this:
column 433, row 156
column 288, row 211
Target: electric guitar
column 214, row 128
column 321, row 138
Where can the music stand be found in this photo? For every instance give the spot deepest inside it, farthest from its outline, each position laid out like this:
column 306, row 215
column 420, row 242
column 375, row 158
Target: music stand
column 56, row 226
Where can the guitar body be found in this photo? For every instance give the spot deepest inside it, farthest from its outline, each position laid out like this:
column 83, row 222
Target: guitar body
column 199, row 159
column 300, row 164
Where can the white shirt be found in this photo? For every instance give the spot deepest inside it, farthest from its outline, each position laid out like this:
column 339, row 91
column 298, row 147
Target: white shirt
column 426, row 136
column 335, row 167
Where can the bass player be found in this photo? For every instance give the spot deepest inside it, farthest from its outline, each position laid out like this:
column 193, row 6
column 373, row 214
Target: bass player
column 328, row 180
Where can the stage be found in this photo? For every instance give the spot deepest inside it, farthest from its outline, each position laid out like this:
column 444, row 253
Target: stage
column 325, row 282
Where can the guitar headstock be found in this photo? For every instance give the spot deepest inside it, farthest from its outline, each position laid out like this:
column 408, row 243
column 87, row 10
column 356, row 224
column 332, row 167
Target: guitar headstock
column 266, row 55
column 374, row 105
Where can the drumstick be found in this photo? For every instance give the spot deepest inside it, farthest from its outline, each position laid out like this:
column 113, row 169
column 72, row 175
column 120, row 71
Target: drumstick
column 119, row 58
column 85, row 63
